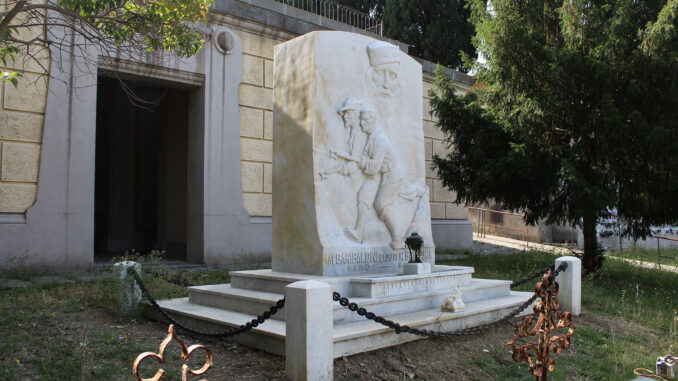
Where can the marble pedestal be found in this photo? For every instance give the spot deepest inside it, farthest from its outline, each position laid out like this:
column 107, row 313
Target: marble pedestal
column 416, row 268
column 407, row 299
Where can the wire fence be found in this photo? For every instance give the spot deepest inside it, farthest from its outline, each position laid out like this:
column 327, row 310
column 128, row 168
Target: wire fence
column 340, row 13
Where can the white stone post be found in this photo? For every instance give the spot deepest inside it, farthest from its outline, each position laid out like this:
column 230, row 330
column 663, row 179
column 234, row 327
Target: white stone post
column 309, row 345
column 569, row 281
column 130, row 293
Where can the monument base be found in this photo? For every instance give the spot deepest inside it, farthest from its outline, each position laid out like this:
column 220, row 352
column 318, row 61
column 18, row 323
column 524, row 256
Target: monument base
column 416, row 268
column 412, row 300
column 452, row 234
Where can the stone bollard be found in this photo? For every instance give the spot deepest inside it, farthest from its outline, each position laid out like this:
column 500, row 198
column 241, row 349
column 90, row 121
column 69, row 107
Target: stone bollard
column 309, row 345
column 569, row 281
column 130, row 293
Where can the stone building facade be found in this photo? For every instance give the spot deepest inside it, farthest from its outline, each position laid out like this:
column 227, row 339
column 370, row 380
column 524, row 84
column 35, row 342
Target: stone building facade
column 84, row 175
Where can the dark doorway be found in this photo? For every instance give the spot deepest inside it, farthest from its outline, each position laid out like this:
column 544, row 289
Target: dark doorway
column 141, row 168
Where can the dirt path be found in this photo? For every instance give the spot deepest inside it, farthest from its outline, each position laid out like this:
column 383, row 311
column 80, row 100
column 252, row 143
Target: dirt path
column 464, row 358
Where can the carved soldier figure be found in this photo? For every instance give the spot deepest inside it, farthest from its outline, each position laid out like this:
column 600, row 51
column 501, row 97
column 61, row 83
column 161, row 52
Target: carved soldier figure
column 350, row 113
column 384, row 176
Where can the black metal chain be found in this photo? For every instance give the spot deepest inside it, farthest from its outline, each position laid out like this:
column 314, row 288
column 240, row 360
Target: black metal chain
column 351, row 306
column 429, row 333
column 532, row 276
column 280, row 304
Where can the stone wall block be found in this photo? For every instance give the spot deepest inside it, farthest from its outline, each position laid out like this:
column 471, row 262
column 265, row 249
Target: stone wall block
column 15, row 125
column 440, row 194
column 252, row 70
column 437, row 210
column 20, row 161
column 16, row 198
column 258, row 97
column 426, row 87
column 251, row 122
column 268, row 125
column 433, row 131
column 268, row 74
column 37, row 61
column 252, row 177
column 426, row 110
column 29, row 95
column 430, row 172
column 256, row 150
column 258, row 204
column 455, row 212
column 28, row 27
column 440, row 148
column 257, row 45
column 428, row 147
column 268, row 178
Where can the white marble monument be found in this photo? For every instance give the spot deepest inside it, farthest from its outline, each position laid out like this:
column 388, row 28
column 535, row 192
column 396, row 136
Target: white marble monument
column 348, row 188
column 348, row 156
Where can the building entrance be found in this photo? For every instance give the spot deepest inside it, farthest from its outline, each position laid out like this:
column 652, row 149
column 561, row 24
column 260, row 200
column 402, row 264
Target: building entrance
column 140, row 168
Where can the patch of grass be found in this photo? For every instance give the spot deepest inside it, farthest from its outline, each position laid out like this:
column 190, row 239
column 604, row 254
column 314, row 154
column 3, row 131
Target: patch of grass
column 45, row 336
column 644, row 302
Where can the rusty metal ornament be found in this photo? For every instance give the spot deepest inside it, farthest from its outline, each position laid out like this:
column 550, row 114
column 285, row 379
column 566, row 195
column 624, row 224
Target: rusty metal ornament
column 538, row 354
column 185, row 354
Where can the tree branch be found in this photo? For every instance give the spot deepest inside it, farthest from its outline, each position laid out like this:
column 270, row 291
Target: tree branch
column 7, row 19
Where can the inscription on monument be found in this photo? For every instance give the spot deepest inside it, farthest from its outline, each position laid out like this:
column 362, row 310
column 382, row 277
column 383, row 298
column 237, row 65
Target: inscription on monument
column 358, row 256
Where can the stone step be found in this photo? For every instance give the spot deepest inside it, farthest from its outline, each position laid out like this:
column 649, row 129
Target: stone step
column 256, row 302
column 480, row 289
column 363, row 336
column 269, row 336
column 349, row 338
column 241, row 300
column 378, row 285
column 274, row 282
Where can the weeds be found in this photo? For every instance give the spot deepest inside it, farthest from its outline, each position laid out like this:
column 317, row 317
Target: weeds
column 636, row 310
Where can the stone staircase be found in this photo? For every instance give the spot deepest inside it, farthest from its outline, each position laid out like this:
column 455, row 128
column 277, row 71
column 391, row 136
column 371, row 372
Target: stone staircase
column 412, row 300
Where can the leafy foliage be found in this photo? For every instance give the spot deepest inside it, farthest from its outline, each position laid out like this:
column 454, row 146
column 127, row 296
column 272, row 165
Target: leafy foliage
column 573, row 114
column 436, row 30
column 136, row 25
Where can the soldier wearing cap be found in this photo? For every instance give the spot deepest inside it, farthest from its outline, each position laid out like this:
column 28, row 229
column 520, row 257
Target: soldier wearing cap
column 384, row 175
column 350, row 113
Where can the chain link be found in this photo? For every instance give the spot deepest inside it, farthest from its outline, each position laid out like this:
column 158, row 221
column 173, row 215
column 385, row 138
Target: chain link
column 345, row 302
column 532, row 276
column 429, row 333
column 280, row 304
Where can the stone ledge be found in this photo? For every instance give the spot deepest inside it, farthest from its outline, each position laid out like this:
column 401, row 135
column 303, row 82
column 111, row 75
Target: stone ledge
column 12, row 218
column 288, row 18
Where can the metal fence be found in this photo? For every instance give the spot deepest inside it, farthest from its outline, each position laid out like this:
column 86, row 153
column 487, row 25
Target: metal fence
column 481, row 224
column 340, row 13
column 659, row 254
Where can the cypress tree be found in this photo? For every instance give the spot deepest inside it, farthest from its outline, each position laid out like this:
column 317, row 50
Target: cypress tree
column 574, row 114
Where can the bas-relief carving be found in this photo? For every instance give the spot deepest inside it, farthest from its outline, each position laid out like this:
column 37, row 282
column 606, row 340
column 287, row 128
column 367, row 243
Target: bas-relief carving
column 384, row 72
column 372, row 161
column 365, row 111
column 383, row 178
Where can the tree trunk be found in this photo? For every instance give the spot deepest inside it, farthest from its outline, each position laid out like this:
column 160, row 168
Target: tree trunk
column 592, row 255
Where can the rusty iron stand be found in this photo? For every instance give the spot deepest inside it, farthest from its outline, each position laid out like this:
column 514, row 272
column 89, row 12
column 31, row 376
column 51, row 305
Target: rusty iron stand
column 546, row 306
column 160, row 358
